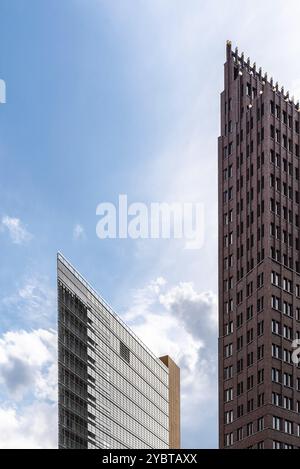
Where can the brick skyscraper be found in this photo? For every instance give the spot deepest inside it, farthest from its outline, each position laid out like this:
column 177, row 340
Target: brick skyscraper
column 259, row 260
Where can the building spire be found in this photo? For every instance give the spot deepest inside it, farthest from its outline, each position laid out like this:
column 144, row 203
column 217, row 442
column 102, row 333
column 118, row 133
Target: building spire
column 228, row 49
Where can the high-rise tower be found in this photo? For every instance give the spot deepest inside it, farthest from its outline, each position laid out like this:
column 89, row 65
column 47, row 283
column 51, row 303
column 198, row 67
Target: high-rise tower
column 259, row 270
column 113, row 391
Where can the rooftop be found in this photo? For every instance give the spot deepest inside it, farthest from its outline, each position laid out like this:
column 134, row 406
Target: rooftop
column 71, row 268
column 240, row 61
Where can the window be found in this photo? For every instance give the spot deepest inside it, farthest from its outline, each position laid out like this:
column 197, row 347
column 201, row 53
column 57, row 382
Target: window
column 272, row 131
column 260, row 424
column 278, row 113
column 261, row 399
column 287, row 332
column 228, row 372
column 240, row 388
column 240, row 365
column 239, row 344
column 228, row 394
column 249, row 288
column 276, row 423
column 275, row 302
column 250, row 359
column 260, row 376
column 287, row 309
column 250, row 405
column 249, row 90
column 250, row 429
column 124, row 352
column 275, row 327
column 276, row 399
column 284, row 141
column 249, row 335
column 260, row 280
column 284, row 117
column 287, row 356
column 288, row 380
column 229, row 328
column 288, row 403
column 228, row 439
column 260, row 328
column 249, row 312
column 239, row 320
column 276, row 375
column 287, row 285
column 240, row 410
column 250, row 382
column 260, row 352
column 240, row 433
column 260, row 304
column 277, row 133
column 276, row 351
column 288, row 427
column 228, row 417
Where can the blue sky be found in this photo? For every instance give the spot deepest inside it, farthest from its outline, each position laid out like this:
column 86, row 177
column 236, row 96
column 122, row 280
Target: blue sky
column 107, row 98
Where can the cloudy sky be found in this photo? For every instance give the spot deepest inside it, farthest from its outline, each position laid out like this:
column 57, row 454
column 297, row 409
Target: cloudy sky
column 107, row 98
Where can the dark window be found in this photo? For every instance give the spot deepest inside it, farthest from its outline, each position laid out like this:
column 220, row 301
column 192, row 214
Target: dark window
column 124, row 352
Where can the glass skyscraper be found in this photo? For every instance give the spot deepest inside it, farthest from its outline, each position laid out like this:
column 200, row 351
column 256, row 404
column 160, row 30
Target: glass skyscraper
column 113, row 391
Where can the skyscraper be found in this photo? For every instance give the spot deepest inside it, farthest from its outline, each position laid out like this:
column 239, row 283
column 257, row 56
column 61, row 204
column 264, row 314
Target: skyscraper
column 113, row 391
column 259, row 270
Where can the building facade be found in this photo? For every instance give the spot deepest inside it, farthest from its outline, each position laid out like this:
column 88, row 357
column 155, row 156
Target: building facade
column 113, row 392
column 259, row 260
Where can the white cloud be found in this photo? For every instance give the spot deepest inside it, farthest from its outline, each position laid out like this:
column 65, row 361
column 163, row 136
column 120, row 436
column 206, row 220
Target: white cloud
column 78, row 232
column 28, row 364
column 34, row 301
column 32, row 427
column 181, row 322
column 28, row 388
column 198, row 311
column 175, row 320
column 17, row 231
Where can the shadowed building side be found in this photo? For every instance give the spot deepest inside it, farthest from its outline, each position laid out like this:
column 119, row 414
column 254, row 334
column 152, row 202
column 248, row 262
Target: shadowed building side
column 174, row 401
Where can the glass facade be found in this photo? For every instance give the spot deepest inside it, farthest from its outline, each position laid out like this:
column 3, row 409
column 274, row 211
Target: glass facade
column 113, row 392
